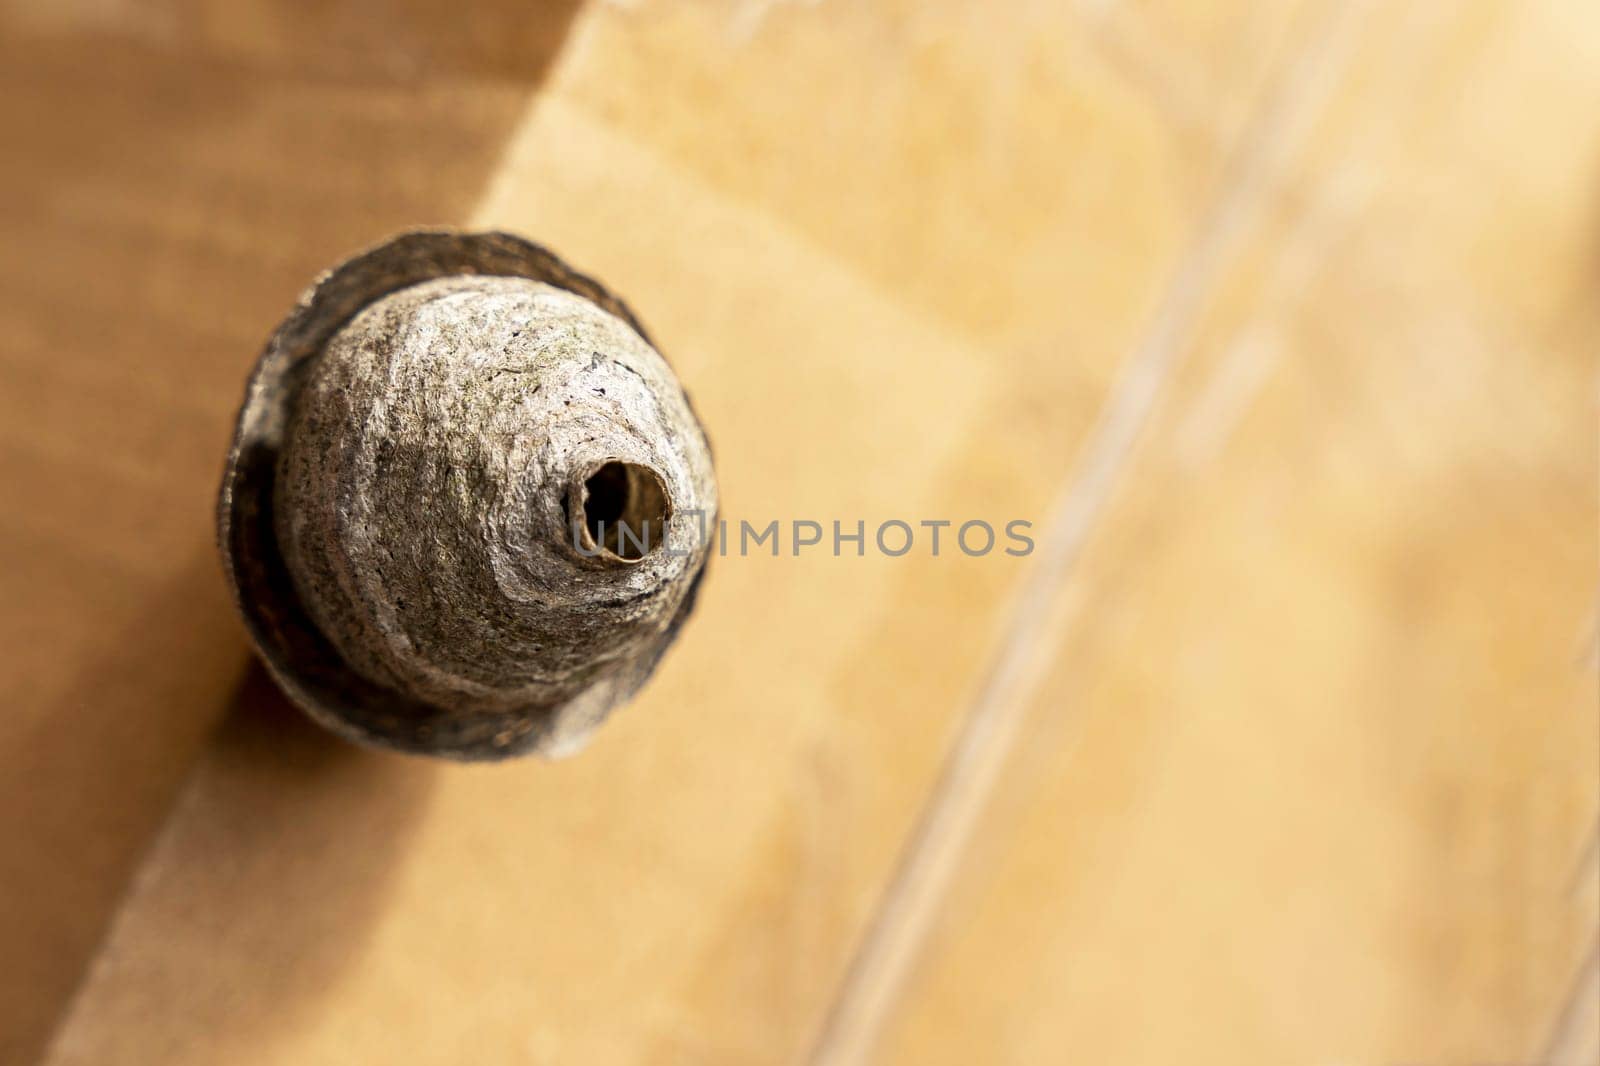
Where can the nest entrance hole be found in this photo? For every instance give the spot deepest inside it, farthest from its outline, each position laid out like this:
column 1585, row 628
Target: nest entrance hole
column 625, row 509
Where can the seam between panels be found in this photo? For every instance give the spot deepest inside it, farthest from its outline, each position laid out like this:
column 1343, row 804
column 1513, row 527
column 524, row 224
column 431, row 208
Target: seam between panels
column 870, row 988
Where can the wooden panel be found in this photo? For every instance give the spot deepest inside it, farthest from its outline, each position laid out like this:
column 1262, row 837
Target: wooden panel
column 692, row 886
column 1309, row 754
column 972, row 161
column 1311, row 771
column 390, row 41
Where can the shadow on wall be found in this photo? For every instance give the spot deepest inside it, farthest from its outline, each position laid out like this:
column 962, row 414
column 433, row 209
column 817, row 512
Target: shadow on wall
column 176, row 173
column 262, row 893
column 511, row 40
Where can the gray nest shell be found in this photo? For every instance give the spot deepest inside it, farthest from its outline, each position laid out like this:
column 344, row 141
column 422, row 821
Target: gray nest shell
column 400, row 516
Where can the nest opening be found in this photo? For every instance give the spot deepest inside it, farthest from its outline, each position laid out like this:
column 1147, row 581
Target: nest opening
column 625, row 509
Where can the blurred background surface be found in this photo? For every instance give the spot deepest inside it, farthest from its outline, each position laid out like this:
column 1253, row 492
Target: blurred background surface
column 1278, row 318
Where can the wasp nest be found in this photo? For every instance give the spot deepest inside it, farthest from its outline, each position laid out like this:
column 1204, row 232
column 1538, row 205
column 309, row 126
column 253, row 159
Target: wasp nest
column 464, row 508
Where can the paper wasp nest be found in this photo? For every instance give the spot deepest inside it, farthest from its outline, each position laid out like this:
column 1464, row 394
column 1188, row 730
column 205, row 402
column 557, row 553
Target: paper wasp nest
column 463, row 513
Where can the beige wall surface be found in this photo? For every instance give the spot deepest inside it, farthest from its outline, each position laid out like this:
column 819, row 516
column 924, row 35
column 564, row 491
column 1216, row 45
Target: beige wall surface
column 1279, row 319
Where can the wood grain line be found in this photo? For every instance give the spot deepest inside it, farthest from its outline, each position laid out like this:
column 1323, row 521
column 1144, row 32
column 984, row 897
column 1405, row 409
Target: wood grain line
column 908, row 909
column 1573, row 1040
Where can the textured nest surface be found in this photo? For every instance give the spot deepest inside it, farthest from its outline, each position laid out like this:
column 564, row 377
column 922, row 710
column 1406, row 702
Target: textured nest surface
column 462, row 512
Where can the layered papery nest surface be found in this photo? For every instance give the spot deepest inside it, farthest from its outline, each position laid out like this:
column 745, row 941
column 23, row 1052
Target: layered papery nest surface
column 462, row 514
